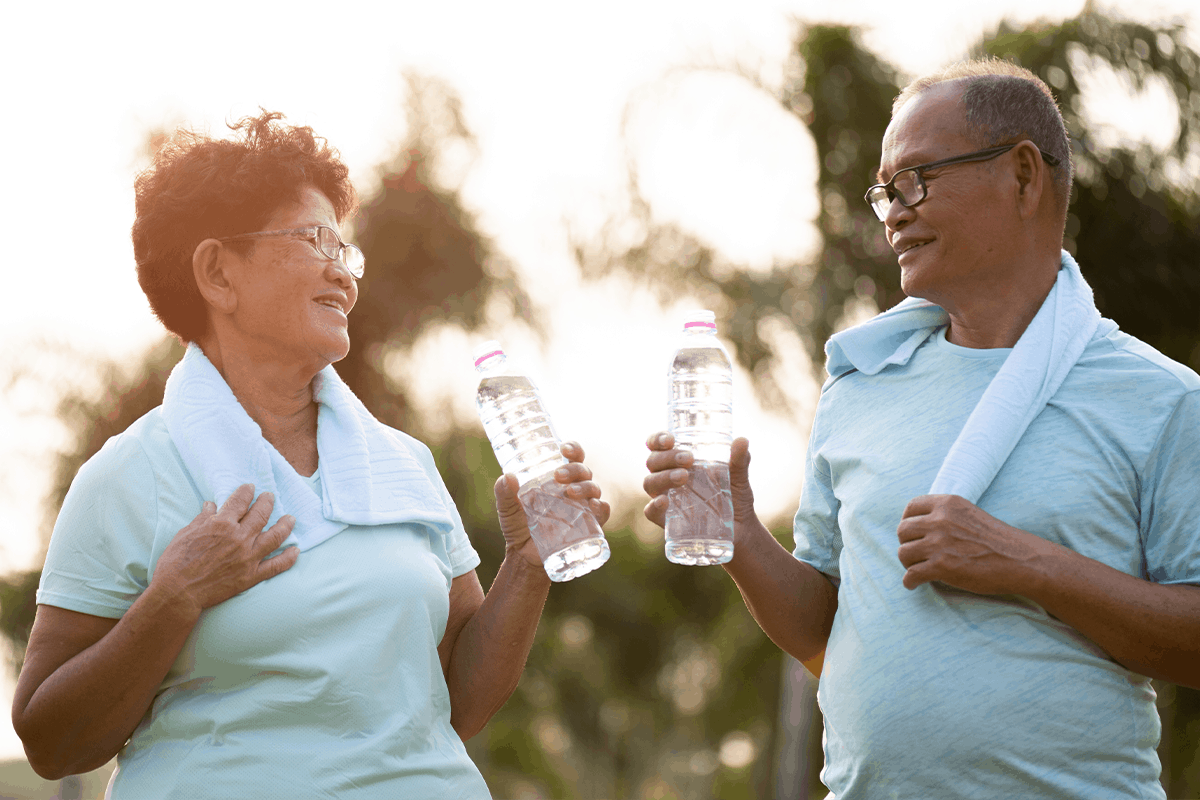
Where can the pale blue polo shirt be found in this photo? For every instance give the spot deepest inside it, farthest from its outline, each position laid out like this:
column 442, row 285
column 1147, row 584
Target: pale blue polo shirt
column 321, row 682
column 939, row 693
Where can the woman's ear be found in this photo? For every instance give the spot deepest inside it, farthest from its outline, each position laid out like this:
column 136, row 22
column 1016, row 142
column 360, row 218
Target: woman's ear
column 210, row 263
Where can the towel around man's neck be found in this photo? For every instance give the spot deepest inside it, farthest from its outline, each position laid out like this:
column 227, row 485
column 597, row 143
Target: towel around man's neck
column 369, row 474
column 1029, row 377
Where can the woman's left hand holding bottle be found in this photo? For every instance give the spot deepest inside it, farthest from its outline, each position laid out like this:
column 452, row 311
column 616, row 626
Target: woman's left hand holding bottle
column 513, row 522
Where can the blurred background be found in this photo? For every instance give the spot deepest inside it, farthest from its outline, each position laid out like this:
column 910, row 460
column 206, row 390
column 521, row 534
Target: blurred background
column 569, row 179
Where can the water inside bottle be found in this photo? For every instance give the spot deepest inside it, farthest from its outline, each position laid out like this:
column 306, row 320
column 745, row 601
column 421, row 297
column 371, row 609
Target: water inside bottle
column 568, row 538
column 699, row 529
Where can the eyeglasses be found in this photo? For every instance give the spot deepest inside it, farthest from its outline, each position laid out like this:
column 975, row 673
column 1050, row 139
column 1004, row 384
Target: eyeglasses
column 908, row 185
column 322, row 237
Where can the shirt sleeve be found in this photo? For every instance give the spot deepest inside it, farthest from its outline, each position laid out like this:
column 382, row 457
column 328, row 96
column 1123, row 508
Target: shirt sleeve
column 463, row 557
column 99, row 553
column 818, row 538
column 461, row 553
column 1170, row 490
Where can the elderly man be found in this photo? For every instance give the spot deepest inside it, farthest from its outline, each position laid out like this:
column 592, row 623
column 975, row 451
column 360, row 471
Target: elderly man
column 997, row 641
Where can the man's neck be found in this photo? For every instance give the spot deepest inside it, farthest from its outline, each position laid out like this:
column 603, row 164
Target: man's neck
column 996, row 315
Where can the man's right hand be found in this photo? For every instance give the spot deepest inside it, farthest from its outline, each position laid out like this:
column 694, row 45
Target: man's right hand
column 789, row 599
column 220, row 553
column 669, row 470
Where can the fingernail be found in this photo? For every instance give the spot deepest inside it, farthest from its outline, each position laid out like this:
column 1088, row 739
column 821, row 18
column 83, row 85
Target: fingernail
column 662, row 438
column 681, row 458
column 679, row 475
column 562, row 472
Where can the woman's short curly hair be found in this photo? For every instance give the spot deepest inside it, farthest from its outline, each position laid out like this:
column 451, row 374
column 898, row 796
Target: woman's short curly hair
column 199, row 188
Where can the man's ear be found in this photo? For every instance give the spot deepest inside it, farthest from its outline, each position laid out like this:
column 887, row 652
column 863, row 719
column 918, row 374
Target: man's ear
column 1033, row 178
column 210, row 263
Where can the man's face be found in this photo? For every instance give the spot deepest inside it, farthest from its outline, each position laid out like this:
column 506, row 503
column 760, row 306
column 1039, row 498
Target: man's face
column 952, row 242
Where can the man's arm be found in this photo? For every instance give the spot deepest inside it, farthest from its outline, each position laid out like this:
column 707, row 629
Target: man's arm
column 791, row 601
column 1149, row 628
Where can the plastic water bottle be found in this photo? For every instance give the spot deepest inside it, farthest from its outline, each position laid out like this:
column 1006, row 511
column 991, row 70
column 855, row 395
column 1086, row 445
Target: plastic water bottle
column 568, row 538
column 699, row 526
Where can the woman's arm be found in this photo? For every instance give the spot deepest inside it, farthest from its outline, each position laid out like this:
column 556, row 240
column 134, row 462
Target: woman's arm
column 488, row 638
column 88, row 681
column 487, row 657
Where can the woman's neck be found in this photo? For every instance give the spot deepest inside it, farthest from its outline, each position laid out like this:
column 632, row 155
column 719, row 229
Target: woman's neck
column 278, row 398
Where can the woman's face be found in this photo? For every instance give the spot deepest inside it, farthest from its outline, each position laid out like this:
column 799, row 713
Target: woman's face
column 293, row 301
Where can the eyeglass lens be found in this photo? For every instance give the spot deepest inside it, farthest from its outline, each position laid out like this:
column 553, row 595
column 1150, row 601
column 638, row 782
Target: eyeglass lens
column 329, row 243
column 332, row 246
column 906, row 184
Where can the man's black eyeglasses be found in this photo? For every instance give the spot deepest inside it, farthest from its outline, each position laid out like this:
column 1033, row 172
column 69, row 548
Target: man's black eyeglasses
column 908, row 185
column 322, row 237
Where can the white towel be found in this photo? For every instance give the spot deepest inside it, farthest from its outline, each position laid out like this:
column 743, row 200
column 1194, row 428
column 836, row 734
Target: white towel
column 1029, row 377
column 369, row 473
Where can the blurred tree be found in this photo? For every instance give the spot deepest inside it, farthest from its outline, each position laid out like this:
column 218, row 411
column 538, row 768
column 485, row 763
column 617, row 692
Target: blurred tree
column 428, row 260
column 1132, row 221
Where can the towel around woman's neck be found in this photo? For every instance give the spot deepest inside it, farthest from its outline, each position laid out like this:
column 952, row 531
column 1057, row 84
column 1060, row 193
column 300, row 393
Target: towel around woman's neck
column 369, row 474
column 1029, row 377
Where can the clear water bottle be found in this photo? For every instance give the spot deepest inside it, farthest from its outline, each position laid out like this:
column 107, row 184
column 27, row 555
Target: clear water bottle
column 699, row 526
column 568, row 538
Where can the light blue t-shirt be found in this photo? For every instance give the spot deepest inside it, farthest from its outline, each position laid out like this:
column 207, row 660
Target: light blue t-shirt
column 940, row 693
column 323, row 681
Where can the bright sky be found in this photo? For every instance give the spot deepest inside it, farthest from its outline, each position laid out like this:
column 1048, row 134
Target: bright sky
column 545, row 87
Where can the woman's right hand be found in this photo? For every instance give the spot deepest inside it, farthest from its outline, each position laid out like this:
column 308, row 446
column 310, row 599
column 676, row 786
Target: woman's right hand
column 221, row 552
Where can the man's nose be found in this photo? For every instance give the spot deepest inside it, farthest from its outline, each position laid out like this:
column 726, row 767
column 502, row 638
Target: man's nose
column 898, row 215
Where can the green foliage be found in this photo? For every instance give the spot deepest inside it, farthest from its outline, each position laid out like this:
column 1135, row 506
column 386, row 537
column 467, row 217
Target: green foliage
column 17, row 609
column 845, row 98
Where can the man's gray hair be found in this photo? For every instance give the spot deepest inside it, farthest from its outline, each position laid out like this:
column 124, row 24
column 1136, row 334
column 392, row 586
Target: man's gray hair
column 1004, row 103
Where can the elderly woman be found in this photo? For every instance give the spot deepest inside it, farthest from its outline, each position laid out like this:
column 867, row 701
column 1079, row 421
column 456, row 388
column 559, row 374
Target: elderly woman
column 258, row 590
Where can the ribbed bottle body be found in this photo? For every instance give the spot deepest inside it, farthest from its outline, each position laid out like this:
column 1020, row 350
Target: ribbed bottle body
column 701, row 401
column 567, row 535
column 518, row 426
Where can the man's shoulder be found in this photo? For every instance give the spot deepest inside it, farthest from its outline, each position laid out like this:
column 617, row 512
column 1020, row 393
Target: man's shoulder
column 1117, row 356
